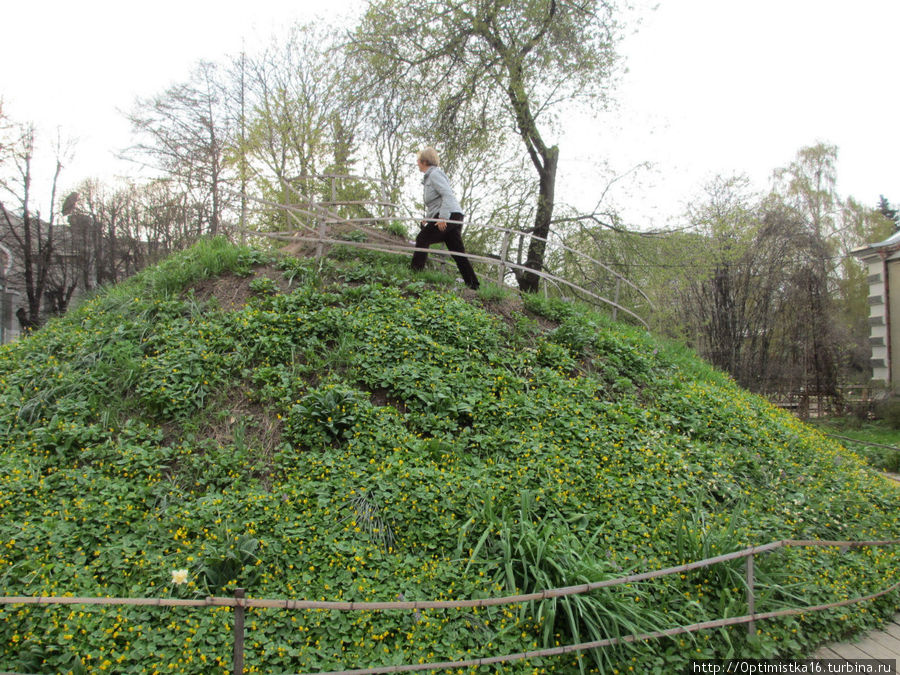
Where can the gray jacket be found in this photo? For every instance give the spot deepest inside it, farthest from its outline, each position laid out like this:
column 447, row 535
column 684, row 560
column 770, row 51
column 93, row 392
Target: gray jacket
column 439, row 197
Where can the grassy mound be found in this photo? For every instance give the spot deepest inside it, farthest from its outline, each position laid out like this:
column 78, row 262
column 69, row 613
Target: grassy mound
column 344, row 430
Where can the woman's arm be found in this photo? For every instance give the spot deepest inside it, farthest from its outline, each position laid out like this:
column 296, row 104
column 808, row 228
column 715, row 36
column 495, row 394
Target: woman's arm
column 449, row 204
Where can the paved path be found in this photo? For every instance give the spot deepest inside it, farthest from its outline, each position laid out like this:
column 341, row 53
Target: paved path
column 883, row 645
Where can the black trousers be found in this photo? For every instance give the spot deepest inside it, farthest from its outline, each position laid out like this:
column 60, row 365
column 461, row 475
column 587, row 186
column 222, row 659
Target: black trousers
column 452, row 237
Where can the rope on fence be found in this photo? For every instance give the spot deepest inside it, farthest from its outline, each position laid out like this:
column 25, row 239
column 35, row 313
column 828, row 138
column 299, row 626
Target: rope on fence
column 241, row 604
column 861, row 442
column 609, row 642
column 319, row 211
column 412, row 605
column 335, row 219
column 388, row 248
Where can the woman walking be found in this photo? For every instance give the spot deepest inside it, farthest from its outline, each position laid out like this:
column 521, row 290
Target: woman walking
column 443, row 217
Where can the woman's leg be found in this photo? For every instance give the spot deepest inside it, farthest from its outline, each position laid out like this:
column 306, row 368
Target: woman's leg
column 453, row 239
column 428, row 235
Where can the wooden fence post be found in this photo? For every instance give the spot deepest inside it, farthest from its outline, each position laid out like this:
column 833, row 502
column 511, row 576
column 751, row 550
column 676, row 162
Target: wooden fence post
column 616, row 299
column 751, row 597
column 323, row 232
column 238, row 632
column 504, row 250
column 323, row 214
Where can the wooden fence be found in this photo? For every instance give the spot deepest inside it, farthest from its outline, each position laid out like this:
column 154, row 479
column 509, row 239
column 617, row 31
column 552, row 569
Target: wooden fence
column 316, row 221
column 808, row 403
column 241, row 604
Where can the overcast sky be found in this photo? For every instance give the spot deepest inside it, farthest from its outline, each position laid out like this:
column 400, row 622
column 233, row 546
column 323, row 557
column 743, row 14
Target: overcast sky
column 714, row 86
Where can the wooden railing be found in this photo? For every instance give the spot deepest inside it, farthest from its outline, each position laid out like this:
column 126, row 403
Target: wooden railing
column 316, row 221
column 241, row 604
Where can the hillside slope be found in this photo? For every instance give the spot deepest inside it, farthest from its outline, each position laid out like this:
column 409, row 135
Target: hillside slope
column 345, row 430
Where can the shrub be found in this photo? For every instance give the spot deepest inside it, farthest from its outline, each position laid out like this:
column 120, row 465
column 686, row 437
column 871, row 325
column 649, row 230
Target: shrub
column 329, row 411
column 889, row 411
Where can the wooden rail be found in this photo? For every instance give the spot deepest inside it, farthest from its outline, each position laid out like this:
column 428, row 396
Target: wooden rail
column 320, row 241
column 316, row 218
column 241, row 604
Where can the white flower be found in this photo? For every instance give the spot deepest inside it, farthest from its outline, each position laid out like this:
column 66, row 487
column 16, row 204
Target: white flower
column 179, row 577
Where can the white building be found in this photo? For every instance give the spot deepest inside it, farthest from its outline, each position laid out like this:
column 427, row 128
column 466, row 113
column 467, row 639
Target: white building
column 883, row 261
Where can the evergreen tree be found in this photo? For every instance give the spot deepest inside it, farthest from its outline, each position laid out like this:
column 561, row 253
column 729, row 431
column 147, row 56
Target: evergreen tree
column 885, row 209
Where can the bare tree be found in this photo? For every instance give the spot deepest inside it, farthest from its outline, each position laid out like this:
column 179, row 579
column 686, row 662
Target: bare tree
column 723, row 306
column 386, row 130
column 106, row 230
column 6, row 133
column 186, row 133
column 767, row 291
column 24, row 230
column 299, row 123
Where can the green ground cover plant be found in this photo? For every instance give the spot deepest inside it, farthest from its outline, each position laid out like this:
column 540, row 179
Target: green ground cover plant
column 348, row 430
column 876, row 440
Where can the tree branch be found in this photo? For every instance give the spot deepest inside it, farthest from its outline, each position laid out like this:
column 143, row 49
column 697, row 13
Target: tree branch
column 542, row 31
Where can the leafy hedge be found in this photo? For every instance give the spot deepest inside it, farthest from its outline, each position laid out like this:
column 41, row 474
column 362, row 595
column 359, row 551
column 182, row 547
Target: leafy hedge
column 368, row 435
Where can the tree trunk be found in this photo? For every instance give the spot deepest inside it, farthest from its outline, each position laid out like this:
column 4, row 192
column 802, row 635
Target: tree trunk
column 529, row 282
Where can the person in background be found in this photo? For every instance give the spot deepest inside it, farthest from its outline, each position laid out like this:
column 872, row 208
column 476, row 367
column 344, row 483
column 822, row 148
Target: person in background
column 443, row 217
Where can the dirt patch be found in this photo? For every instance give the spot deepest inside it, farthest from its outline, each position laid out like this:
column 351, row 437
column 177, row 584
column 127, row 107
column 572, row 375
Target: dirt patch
column 381, row 397
column 252, row 425
column 233, row 292
column 306, row 246
column 510, row 310
column 230, row 291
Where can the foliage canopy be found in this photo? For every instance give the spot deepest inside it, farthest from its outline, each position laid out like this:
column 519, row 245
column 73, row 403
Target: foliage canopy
column 482, row 67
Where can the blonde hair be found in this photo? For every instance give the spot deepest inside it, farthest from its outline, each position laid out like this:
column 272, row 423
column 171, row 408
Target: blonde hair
column 429, row 156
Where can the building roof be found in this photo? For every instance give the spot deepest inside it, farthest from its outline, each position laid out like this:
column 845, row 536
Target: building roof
column 886, row 247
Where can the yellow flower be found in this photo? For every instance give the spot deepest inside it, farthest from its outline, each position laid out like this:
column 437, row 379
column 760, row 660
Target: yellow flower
column 179, row 577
